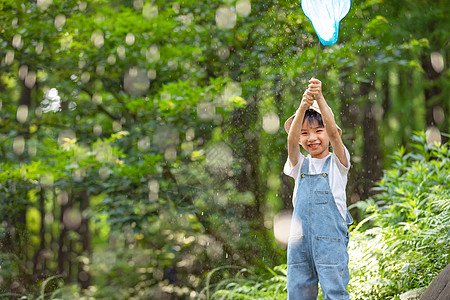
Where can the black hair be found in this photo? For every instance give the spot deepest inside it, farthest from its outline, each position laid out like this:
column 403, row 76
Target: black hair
column 313, row 118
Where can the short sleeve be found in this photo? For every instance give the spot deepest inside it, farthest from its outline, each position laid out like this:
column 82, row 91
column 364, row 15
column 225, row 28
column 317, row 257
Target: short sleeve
column 293, row 171
column 342, row 168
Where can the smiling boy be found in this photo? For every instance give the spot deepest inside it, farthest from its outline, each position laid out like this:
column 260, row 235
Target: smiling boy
column 317, row 248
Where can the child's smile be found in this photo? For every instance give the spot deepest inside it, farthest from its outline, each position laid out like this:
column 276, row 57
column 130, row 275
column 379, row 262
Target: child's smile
column 315, row 140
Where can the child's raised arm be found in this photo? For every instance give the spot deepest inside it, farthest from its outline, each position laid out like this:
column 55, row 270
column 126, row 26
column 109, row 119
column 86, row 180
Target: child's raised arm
column 295, row 130
column 315, row 90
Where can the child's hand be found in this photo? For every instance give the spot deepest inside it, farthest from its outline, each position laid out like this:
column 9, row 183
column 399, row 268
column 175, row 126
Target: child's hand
column 307, row 100
column 314, row 88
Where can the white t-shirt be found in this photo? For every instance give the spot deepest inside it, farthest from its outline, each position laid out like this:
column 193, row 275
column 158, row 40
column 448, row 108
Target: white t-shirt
column 337, row 177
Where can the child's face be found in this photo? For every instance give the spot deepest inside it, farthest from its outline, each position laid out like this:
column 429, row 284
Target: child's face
column 315, row 140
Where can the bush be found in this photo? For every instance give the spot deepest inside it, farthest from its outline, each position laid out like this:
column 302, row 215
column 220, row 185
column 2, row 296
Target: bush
column 403, row 241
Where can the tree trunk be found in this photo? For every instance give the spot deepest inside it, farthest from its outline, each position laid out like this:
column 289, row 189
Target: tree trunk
column 372, row 155
column 84, row 277
column 39, row 261
column 62, row 247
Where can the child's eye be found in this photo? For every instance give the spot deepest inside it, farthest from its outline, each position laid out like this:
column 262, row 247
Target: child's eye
column 304, row 133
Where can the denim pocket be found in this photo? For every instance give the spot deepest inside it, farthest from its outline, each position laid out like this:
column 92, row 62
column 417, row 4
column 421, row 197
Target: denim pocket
column 321, row 197
column 327, row 250
column 296, row 252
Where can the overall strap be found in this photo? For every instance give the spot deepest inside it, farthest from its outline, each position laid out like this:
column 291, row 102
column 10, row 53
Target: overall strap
column 305, row 166
column 326, row 166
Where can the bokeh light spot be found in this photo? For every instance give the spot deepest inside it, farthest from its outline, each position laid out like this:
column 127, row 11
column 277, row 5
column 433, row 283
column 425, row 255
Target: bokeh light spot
column 138, row 4
column 111, row 59
column 225, row 17
column 17, row 41
column 47, row 180
column 44, row 4
column 165, row 137
column 206, row 110
column 153, row 187
column 60, row 20
column 437, row 62
column 433, row 136
column 136, row 81
column 22, row 113
column 438, row 114
column 97, row 38
column 23, row 71
column 65, row 136
column 150, row 11
column 19, row 145
column 152, row 54
column 121, row 51
column 30, row 79
column 97, row 130
column 39, row 48
column 9, row 57
column 72, row 218
column 143, row 143
column 130, row 39
column 243, row 7
column 271, row 123
column 223, row 52
column 151, row 74
column 282, row 227
column 104, row 172
column 97, row 99
column 170, row 154
column 219, row 158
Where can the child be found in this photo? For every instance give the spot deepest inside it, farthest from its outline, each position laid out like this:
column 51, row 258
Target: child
column 317, row 248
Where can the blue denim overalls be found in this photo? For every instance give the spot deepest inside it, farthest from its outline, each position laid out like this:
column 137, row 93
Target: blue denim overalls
column 317, row 249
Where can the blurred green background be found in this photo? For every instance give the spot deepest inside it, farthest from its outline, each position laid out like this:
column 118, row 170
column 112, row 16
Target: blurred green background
column 142, row 142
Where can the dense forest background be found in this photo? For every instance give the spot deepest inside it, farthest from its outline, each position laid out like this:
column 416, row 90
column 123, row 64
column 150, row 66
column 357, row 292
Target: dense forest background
column 142, row 142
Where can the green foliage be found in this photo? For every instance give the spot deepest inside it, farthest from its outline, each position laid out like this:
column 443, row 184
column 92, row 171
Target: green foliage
column 406, row 244
column 248, row 286
column 156, row 122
